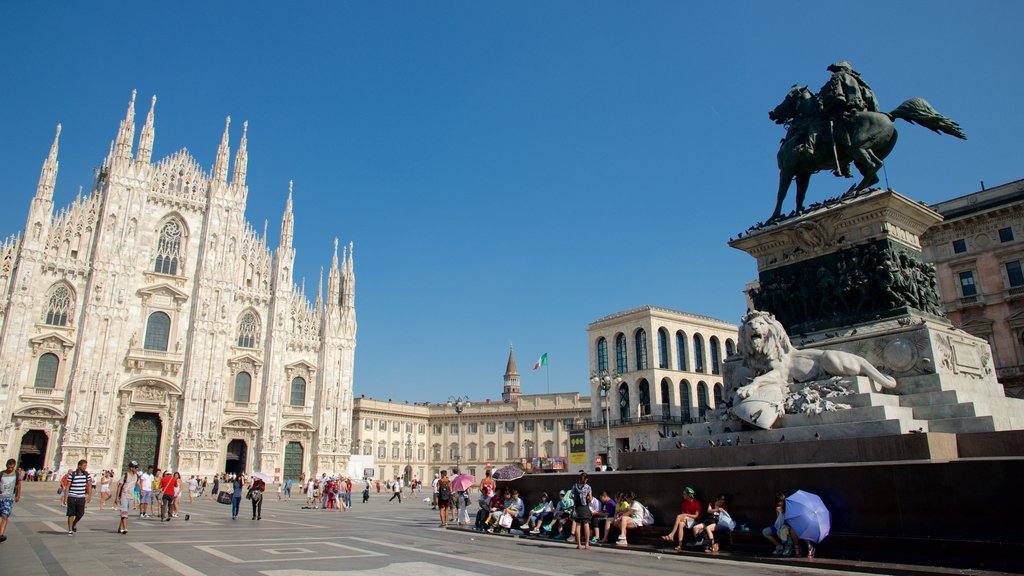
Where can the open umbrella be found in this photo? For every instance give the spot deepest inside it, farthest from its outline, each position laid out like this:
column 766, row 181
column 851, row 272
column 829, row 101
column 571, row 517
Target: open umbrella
column 807, row 515
column 262, row 476
column 508, row 473
column 462, row 482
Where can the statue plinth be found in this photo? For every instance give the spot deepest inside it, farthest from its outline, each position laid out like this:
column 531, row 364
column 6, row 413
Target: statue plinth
column 849, row 277
column 844, row 264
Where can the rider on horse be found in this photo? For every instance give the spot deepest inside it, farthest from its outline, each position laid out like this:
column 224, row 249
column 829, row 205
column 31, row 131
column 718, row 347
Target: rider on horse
column 845, row 94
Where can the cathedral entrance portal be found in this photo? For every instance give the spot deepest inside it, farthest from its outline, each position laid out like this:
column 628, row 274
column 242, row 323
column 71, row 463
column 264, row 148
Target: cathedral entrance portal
column 292, row 461
column 142, row 442
column 33, row 450
column 236, row 457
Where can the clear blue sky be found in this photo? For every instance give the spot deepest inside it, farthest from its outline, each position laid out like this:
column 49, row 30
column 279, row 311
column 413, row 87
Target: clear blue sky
column 508, row 171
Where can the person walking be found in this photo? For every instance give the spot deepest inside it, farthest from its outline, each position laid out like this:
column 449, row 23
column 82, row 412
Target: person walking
column 216, row 487
column 10, row 492
column 167, row 485
column 78, row 494
column 105, row 487
column 236, row 495
column 256, row 490
column 396, row 486
column 125, row 492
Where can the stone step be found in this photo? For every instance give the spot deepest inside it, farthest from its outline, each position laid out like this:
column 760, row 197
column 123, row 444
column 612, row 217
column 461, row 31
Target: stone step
column 804, row 432
column 929, row 398
column 859, row 414
column 946, row 411
column 960, row 425
column 935, row 383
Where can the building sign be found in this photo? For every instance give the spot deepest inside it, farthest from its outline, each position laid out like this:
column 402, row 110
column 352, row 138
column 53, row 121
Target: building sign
column 367, row 472
column 577, row 448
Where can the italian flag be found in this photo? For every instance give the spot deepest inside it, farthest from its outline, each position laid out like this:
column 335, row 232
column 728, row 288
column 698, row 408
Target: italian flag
column 543, row 361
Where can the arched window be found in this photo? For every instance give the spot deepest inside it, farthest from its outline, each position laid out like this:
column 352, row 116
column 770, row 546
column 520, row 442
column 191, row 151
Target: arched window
column 716, row 355
column 641, row 349
column 367, row 448
column 249, row 330
column 602, row 355
column 698, row 353
column 730, row 347
column 702, row 399
column 489, row 450
column 684, row 401
column 719, row 399
column 620, row 353
column 510, row 450
column 168, row 247
column 666, row 409
column 681, row 363
column 549, row 449
column 46, row 371
column 243, row 384
column 645, row 398
column 624, row 402
column 298, row 396
column 60, row 306
column 158, row 332
column 662, row 348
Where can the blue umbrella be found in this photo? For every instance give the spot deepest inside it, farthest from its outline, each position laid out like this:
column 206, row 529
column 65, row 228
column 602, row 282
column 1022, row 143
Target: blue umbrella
column 807, row 515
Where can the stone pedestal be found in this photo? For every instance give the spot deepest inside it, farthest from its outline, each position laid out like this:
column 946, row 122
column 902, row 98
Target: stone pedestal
column 849, row 276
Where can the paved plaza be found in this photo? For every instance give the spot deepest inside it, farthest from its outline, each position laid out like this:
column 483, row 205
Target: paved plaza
column 378, row 538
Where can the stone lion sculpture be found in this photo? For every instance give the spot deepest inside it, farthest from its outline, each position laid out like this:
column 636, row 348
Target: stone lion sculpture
column 767, row 352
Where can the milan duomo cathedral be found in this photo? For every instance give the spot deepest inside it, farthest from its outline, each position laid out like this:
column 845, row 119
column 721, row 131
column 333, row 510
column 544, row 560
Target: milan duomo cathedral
column 150, row 321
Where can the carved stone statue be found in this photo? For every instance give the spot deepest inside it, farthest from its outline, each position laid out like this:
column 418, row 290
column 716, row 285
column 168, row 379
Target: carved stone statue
column 778, row 368
column 840, row 125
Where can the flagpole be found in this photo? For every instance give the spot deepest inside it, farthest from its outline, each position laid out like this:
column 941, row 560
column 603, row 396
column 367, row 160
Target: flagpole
column 547, row 373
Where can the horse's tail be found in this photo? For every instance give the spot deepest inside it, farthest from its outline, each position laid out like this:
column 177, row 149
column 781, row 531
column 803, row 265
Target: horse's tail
column 919, row 111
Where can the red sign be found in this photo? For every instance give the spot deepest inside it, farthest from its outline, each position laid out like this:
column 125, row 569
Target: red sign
column 597, row 461
column 488, row 464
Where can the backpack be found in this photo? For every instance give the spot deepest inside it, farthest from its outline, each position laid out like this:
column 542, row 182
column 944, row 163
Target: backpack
column 648, row 517
column 444, row 489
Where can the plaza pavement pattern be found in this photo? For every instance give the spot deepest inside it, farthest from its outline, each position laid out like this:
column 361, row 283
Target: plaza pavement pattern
column 374, row 539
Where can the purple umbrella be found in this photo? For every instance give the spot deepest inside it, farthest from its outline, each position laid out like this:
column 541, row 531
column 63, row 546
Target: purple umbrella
column 807, row 515
column 508, row 473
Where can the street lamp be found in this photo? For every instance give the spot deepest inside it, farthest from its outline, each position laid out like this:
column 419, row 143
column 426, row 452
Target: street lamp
column 605, row 381
column 408, row 455
column 460, row 403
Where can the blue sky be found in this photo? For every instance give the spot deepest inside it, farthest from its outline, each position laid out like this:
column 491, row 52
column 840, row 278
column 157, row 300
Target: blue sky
column 508, row 171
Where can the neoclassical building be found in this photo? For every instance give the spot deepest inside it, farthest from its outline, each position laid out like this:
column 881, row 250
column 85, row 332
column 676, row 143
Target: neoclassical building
column 418, row 440
column 150, row 321
column 662, row 368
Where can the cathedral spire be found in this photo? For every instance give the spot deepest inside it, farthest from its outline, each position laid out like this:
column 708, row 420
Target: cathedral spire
column 220, row 168
column 511, row 389
column 348, row 279
column 333, row 281
column 241, row 158
column 48, row 175
column 288, row 220
column 126, row 132
column 320, row 291
column 145, row 153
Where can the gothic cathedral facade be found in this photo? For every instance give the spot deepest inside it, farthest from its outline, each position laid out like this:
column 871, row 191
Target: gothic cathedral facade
column 150, row 321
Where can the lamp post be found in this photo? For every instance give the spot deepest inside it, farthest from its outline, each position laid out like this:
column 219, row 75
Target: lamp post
column 605, row 381
column 459, row 403
column 408, row 455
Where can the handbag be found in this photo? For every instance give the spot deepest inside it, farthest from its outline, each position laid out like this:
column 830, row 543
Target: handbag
column 224, row 497
column 505, row 521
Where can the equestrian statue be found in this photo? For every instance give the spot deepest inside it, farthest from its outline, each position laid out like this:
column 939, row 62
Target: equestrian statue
column 839, row 125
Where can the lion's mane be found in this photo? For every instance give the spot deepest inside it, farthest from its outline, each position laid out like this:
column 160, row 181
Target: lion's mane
column 774, row 346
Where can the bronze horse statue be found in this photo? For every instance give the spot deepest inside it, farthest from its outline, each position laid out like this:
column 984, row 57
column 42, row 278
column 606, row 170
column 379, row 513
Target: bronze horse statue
column 809, row 145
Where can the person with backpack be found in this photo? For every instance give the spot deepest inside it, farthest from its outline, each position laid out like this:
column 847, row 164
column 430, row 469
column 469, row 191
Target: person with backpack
column 10, row 492
column 444, row 497
column 631, row 517
column 125, row 492
column 581, row 495
column 77, row 495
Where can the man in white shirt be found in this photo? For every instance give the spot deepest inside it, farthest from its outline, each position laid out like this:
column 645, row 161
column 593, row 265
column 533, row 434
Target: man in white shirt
column 433, row 503
column 145, row 489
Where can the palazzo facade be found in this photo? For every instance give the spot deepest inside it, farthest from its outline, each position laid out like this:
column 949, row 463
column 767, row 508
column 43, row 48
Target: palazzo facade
column 150, row 321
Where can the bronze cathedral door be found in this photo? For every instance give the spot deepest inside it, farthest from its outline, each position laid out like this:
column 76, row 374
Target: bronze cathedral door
column 142, row 442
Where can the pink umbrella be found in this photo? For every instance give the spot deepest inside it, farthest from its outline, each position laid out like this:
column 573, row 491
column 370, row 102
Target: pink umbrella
column 462, row 482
